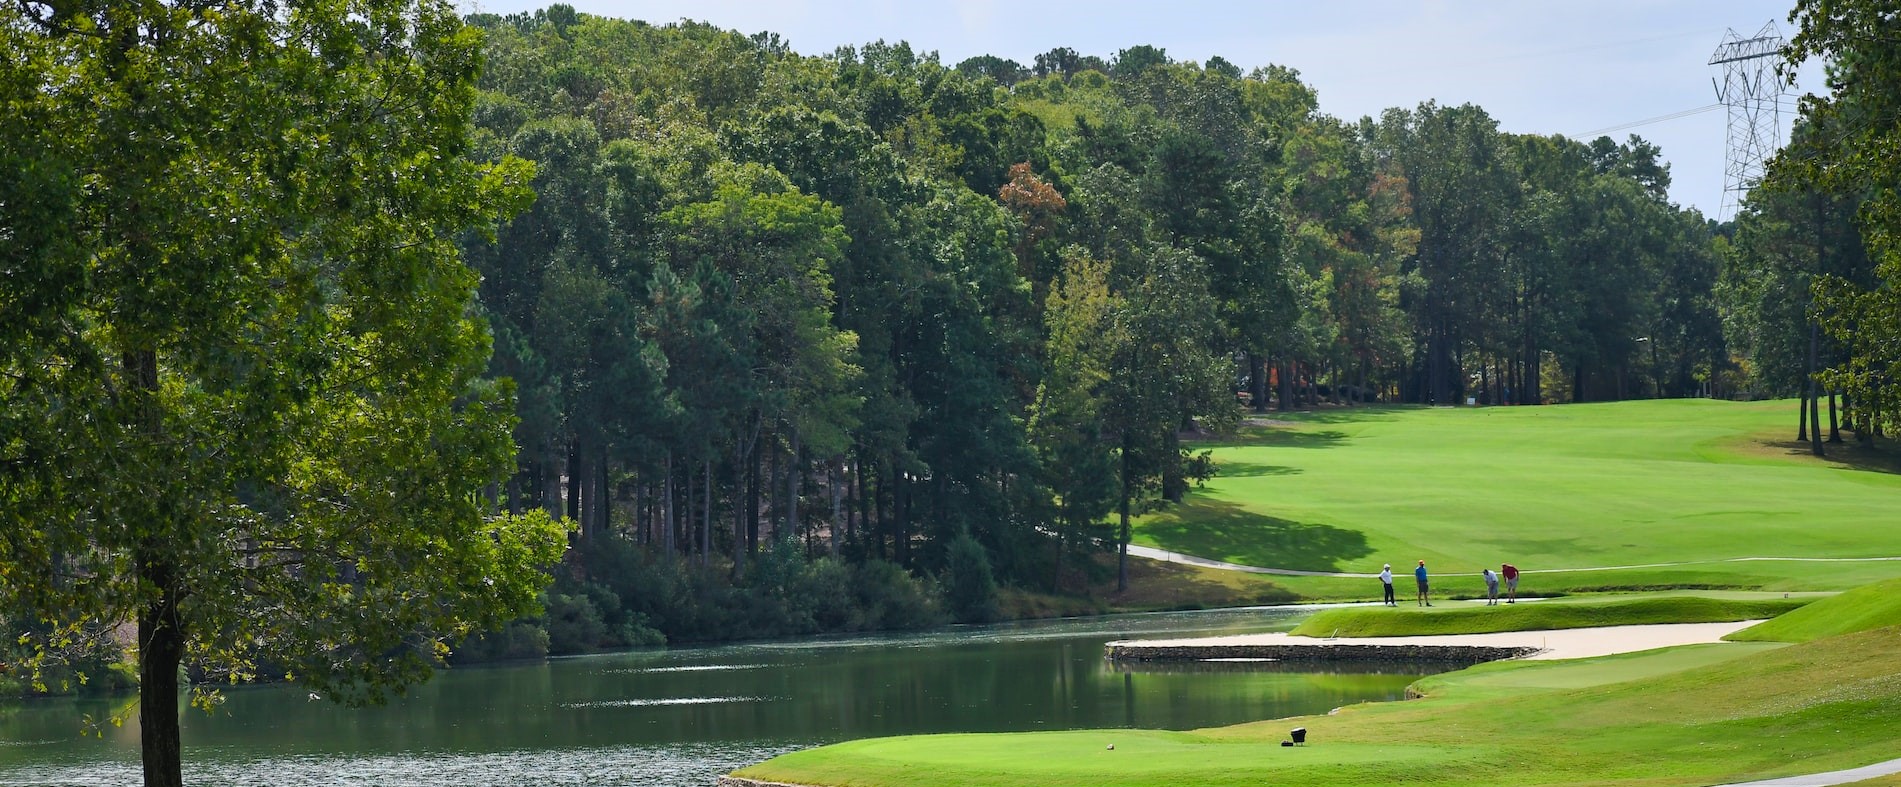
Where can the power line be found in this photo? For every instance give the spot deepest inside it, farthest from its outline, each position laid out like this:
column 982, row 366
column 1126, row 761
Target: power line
column 1647, row 121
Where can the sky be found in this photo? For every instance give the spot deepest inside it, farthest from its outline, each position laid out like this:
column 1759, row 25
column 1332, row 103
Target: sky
column 1576, row 68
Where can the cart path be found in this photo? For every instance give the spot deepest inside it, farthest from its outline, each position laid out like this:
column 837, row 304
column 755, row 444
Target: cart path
column 1829, row 779
column 1177, row 557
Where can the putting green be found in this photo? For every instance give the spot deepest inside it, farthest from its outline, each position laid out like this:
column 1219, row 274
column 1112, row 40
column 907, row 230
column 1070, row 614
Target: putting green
column 1671, row 489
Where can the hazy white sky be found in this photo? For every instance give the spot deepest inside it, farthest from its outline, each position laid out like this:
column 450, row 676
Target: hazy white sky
column 1538, row 67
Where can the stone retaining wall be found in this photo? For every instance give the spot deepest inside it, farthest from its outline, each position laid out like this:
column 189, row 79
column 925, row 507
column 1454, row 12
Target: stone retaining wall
column 1319, row 651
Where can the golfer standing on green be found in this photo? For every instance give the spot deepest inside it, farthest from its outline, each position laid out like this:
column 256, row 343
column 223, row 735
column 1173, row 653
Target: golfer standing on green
column 1425, row 599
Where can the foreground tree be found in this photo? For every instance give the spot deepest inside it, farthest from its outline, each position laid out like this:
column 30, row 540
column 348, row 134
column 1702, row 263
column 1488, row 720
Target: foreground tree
column 238, row 363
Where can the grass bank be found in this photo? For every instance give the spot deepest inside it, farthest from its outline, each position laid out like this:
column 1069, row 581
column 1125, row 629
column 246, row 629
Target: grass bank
column 1861, row 609
column 1406, row 621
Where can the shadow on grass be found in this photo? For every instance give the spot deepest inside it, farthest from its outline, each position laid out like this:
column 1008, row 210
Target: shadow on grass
column 1281, row 437
column 1512, row 549
column 1881, row 456
column 1233, row 469
column 1225, row 531
column 1337, row 414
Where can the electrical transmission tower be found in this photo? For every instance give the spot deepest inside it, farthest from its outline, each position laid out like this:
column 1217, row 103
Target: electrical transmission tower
column 1752, row 91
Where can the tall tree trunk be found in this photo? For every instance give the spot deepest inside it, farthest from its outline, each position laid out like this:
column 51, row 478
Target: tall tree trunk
column 1802, row 418
column 859, row 517
column 549, row 481
column 901, row 502
column 1815, row 404
column 793, row 481
column 574, row 486
column 1439, row 361
column 1534, row 378
column 604, row 497
column 1286, row 384
column 882, row 511
column 689, row 532
column 666, row 503
column 1834, row 422
column 161, row 628
column 161, row 649
column 1174, row 486
column 1062, row 537
column 834, row 479
column 739, row 518
column 1122, row 543
column 706, row 513
column 1257, row 384
column 752, row 507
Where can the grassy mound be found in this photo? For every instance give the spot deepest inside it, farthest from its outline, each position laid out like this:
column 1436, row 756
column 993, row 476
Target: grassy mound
column 1864, row 608
column 1707, row 714
column 1465, row 619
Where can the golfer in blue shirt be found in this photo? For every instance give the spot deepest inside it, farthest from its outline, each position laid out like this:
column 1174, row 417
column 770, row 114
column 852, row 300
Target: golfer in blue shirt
column 1425, row 599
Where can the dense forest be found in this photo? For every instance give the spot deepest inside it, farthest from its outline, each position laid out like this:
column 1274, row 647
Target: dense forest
column 801, row 337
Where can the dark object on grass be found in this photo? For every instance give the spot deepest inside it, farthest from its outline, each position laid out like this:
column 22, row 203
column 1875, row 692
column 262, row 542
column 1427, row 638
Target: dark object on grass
column 1300, row 736
column 1287, row 743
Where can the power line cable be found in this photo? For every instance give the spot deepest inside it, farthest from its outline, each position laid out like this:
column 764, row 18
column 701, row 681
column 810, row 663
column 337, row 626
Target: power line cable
column 1647, row 121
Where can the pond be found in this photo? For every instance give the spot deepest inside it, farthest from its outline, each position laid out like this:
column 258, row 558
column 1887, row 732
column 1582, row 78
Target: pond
column 686, row 715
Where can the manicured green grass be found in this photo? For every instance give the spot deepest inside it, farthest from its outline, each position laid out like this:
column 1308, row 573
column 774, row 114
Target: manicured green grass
column 1560, row 487
column 1467, row 619
column 1703, row 714
column 1870, row 607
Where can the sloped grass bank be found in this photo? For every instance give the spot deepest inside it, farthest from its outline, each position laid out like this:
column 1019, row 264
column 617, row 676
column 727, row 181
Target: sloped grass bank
column 1708, row 714
column 1406, row 621
column 1861, row 609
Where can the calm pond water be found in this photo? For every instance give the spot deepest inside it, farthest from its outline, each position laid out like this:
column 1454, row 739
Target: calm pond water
column 684, row 716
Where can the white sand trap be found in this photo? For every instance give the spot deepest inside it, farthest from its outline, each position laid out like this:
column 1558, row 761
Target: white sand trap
column 1552, row 643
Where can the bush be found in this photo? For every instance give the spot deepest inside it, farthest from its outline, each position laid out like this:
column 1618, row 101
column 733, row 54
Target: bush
column 888, row 597
column 521, row 639
column 969, row 589
column 825, row 584
column 573, row 623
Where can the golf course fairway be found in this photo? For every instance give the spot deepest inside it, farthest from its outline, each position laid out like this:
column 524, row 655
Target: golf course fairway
column 1684, row 493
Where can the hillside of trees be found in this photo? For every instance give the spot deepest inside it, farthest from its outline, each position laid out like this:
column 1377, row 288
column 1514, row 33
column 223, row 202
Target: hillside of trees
column 794, row 335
